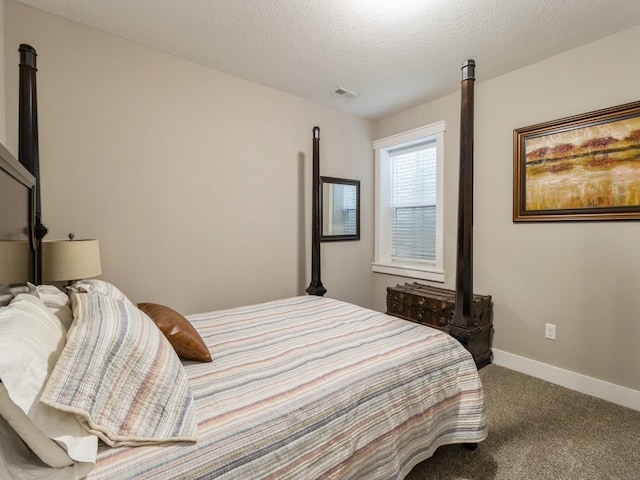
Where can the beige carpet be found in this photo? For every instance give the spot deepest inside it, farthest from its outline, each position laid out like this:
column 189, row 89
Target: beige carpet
column 538, row 430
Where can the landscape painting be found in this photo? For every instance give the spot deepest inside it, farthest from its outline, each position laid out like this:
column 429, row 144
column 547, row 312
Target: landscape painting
column 579, row 168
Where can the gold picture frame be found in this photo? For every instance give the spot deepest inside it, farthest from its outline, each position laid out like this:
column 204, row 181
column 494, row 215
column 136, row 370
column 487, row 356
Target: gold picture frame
column 585, row 167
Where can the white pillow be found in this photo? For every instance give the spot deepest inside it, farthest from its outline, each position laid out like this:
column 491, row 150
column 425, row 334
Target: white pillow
column 31, row 340
column 18, row 462
column 7, row 293
column 46, row 449
column 55, row 300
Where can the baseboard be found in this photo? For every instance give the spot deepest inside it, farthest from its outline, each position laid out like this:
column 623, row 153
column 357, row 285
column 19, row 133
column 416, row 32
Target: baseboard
column 575, row 381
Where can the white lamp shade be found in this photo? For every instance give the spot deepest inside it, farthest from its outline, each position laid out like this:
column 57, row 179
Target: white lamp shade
column 70, row 260
column 14, row 261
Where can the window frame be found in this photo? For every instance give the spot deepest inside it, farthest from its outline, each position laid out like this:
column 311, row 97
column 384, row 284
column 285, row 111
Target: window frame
column 383, row 260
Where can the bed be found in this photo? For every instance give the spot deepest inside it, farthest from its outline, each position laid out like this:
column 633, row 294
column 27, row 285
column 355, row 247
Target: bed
column 301, row 387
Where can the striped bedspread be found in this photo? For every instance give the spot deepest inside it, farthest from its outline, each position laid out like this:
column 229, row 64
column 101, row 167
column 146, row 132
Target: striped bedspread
column 310, row 388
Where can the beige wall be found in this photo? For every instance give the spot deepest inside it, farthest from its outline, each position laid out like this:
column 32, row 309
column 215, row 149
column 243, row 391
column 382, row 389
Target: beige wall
column 583, row 277
column 3, row 116
column 196, row 183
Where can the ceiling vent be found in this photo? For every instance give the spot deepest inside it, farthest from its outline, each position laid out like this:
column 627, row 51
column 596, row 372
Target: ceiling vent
column 345, row 93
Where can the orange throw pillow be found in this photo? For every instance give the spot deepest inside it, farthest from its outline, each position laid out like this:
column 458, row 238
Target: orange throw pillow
column 182, row 336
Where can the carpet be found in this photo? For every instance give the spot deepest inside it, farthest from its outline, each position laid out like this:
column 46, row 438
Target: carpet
column 538, row 430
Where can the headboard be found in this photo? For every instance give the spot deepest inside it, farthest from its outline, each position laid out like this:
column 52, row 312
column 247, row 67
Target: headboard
column 17, row 200
column 20, row 227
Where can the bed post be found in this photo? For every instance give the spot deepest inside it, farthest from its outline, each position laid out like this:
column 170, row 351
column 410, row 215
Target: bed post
column 28, row 153
column 463, row 314
column 315, row 287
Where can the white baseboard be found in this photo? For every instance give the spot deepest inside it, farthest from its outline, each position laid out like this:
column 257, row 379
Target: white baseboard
column 575, row 381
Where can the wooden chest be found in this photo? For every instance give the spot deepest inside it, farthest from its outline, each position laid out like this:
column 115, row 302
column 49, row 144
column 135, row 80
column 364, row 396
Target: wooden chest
column 434, row 307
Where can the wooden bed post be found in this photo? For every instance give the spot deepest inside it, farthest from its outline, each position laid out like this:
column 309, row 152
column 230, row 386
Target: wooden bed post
column 315, row 287
column 28, row 153
column 463, row 314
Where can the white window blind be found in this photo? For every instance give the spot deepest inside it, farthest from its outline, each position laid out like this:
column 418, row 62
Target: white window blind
column 413, row 202
column 349, row 208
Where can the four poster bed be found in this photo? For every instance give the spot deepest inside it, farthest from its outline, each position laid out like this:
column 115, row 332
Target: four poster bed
column 303, row 387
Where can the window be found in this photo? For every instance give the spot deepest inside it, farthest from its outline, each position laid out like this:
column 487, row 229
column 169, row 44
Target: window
column 409, row 179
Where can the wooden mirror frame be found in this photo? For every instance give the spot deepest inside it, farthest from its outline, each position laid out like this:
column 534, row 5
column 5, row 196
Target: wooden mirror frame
column 339, row 237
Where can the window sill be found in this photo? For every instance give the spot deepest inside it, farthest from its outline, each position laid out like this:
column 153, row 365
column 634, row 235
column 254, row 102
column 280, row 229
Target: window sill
column 411, row 271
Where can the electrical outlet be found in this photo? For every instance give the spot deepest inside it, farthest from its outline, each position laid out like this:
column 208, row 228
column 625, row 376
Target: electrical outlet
column 550, row 331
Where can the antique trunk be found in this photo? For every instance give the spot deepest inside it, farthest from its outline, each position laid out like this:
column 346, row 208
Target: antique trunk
column 434, row 307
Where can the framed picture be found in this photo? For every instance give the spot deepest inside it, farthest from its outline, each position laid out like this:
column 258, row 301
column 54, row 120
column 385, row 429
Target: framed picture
column 585, row 167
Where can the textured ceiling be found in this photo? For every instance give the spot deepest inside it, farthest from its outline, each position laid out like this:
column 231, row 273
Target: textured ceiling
column 395, row 53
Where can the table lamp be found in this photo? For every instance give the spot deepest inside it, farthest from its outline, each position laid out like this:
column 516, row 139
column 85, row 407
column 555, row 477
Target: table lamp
column 70, row 259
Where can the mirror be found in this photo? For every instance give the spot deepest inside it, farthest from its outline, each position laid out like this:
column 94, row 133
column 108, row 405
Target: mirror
column 340, row 200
